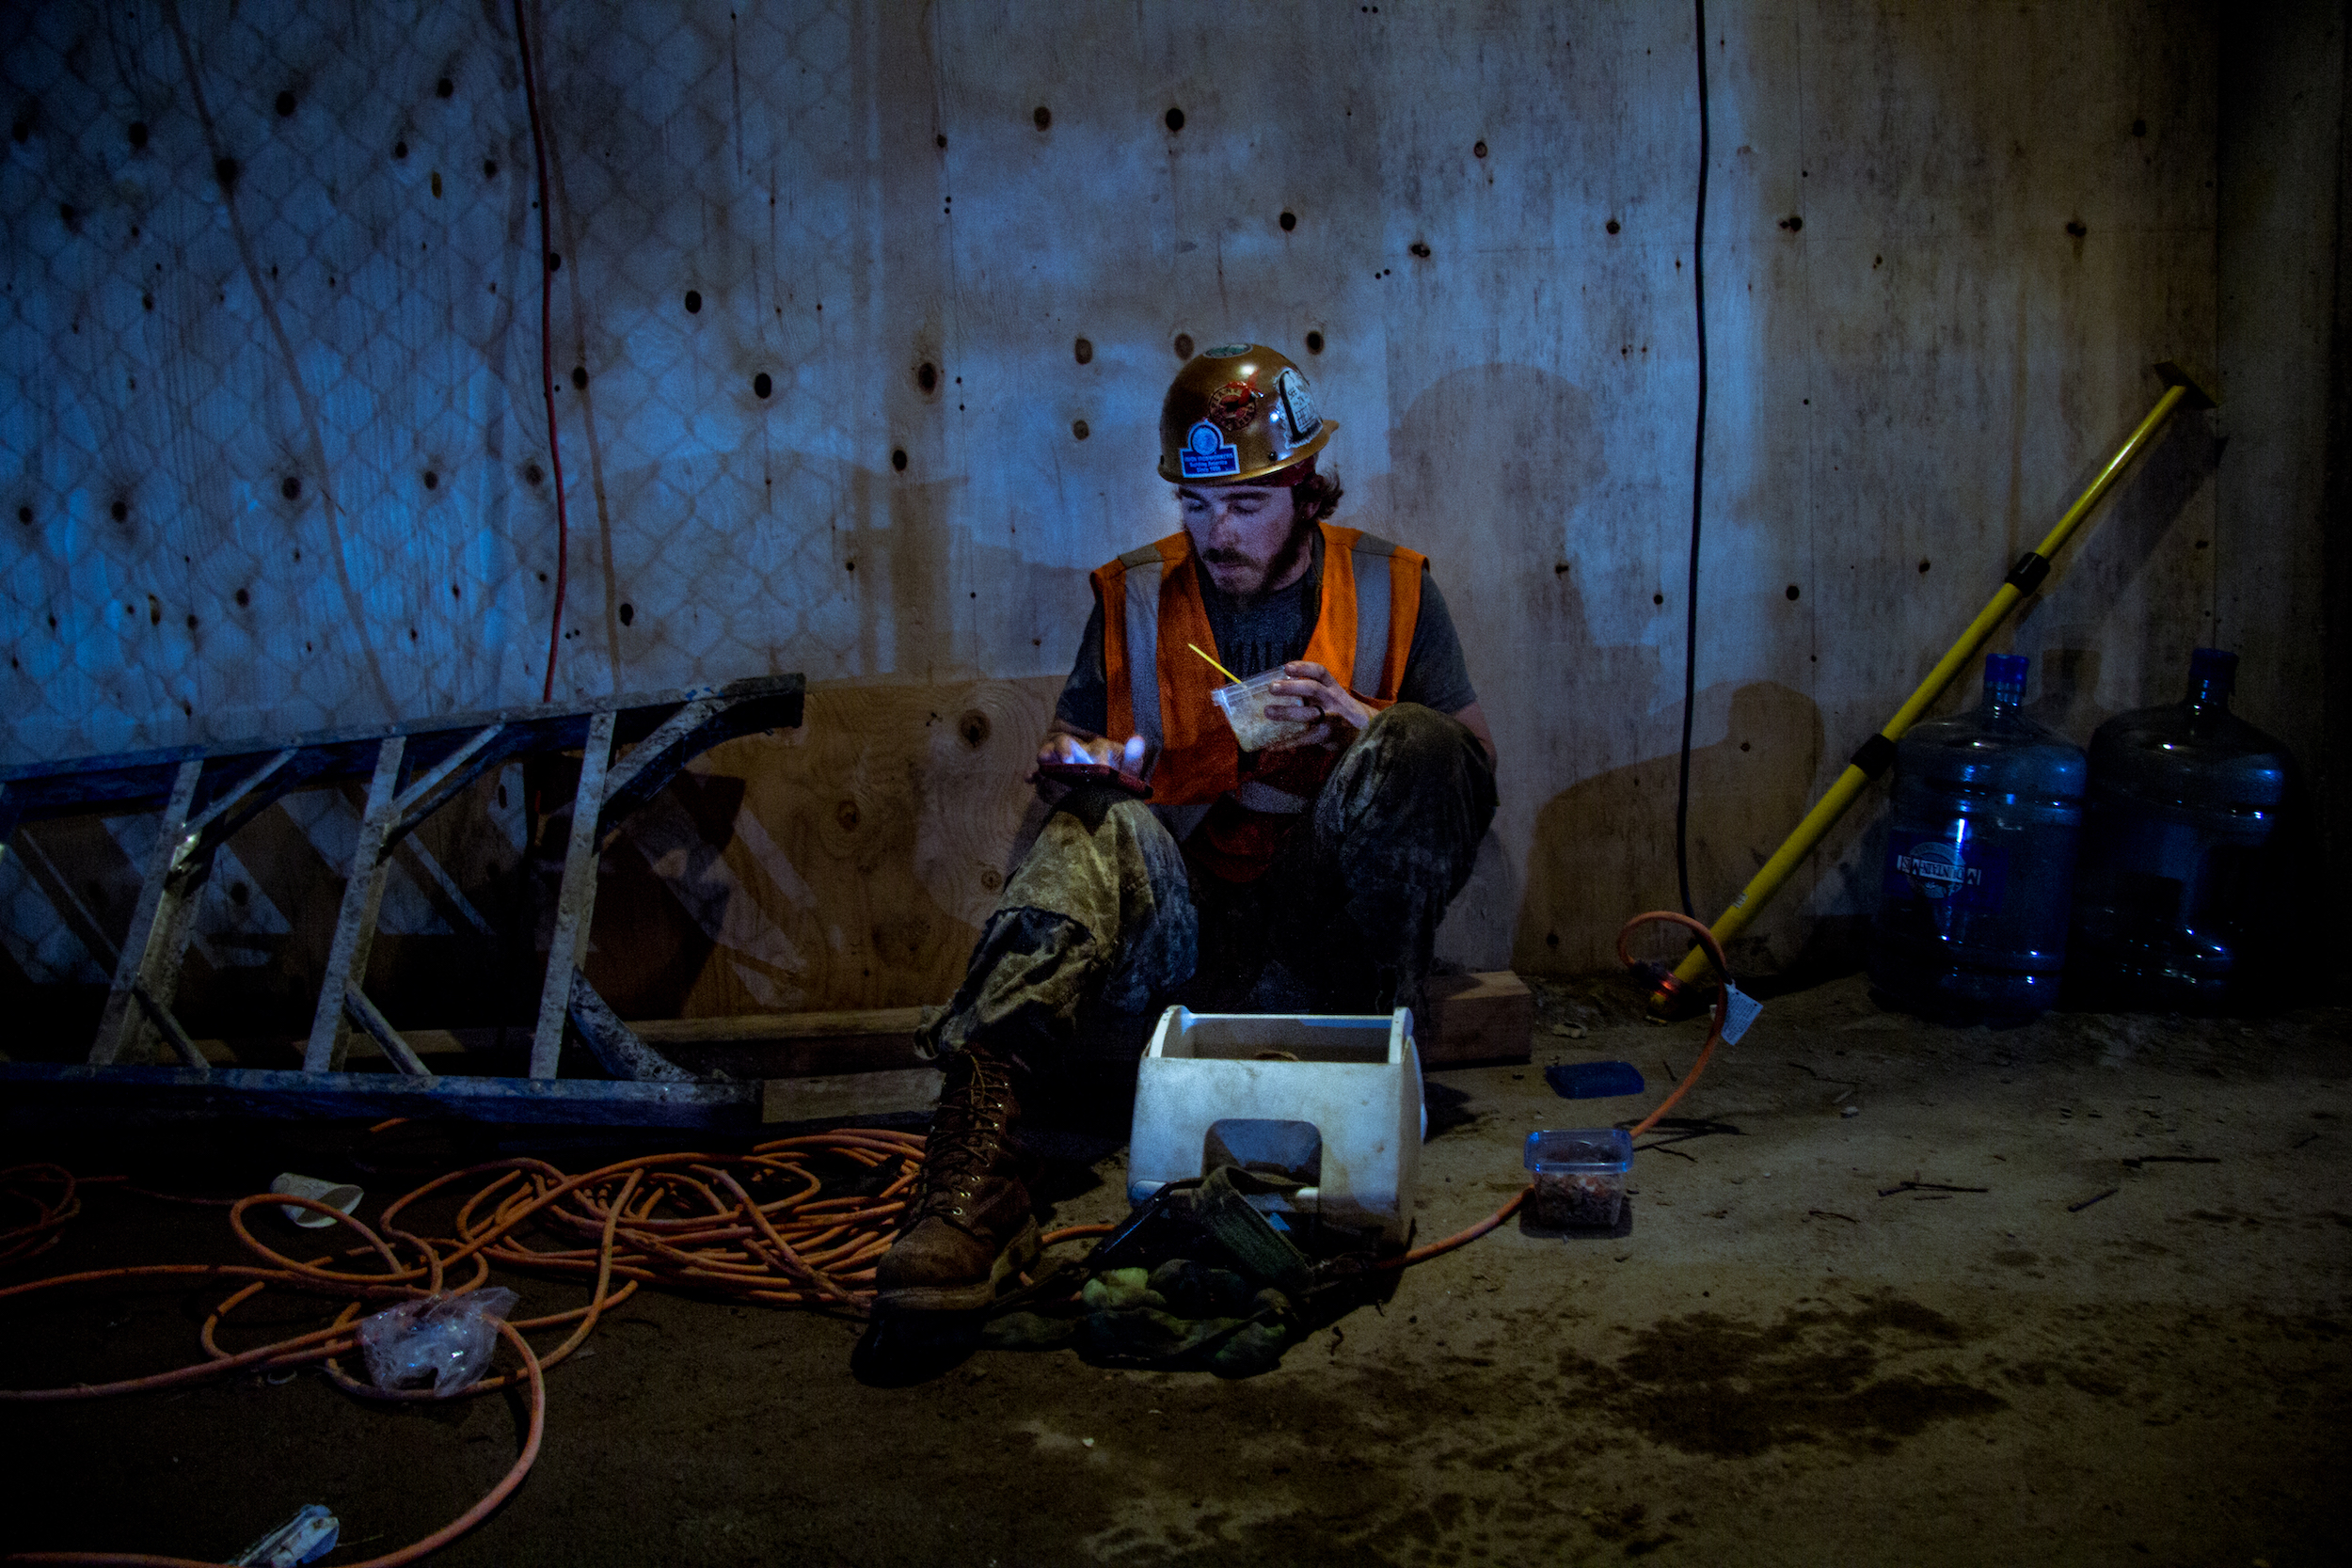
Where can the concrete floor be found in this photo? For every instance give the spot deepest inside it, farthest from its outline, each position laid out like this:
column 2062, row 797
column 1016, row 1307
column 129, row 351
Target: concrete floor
column 1784, row 1362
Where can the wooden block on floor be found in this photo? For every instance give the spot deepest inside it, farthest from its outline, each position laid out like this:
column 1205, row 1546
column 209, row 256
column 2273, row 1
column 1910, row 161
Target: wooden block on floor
column 789, row 1045
column 907, row 1094
column 1475, row 1020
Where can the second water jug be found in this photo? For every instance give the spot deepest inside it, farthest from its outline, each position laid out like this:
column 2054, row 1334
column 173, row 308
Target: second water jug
column 2183, row 882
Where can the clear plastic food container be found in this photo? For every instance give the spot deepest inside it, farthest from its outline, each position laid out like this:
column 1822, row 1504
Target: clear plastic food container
column 1578, row 1176
column 1244, row 706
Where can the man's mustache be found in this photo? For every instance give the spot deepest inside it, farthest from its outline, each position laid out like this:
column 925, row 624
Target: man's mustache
column 1228, row 558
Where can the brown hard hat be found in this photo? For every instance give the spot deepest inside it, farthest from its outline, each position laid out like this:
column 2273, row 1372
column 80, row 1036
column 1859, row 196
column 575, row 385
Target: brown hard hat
column 1235, row 415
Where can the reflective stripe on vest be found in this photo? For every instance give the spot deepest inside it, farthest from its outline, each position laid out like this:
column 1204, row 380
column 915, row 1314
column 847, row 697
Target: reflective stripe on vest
column 1371, row 613
column 1145, row 568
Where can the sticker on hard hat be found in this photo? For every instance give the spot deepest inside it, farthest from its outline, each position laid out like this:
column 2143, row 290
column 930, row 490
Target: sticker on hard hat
column 1226, row 351
column 1304, row 420
column 1207, row 454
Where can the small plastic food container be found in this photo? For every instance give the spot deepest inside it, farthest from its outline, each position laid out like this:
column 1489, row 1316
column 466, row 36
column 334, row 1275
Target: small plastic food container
column 1243, row 707
column 1578, row 1176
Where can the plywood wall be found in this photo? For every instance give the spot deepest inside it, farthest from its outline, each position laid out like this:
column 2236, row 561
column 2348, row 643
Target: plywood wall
column 861, row 317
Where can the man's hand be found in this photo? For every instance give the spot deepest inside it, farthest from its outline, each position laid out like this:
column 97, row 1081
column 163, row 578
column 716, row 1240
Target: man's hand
column 1312, row 695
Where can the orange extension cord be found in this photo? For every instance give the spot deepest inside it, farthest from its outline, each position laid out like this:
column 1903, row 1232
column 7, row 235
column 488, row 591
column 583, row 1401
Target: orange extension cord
column 689, row 1220
column 686, row 1220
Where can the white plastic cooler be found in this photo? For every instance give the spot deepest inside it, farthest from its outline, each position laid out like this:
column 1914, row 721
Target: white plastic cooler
column 1273, row 1086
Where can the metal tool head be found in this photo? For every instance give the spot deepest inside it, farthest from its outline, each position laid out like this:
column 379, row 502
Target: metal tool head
column 2172, row 375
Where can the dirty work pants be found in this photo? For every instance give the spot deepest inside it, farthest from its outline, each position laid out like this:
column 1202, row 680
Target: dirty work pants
column 1105, row 924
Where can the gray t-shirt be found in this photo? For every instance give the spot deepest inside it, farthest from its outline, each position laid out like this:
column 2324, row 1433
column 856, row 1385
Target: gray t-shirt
column 1252, row 639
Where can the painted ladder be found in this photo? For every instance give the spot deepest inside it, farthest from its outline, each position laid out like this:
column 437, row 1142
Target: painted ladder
column 630, row 747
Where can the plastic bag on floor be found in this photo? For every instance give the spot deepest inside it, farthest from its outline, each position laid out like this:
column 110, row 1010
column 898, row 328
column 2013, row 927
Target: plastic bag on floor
column 449, row 1340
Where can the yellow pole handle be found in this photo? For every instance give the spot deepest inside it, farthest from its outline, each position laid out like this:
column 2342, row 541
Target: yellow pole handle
column 1825, row 811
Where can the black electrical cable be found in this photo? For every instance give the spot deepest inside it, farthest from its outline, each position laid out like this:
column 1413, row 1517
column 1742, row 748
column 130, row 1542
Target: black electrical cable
column 1698, row 476
column 546, row 356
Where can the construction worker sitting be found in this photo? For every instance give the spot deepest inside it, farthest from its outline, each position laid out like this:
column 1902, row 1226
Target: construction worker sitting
column 1305, row 874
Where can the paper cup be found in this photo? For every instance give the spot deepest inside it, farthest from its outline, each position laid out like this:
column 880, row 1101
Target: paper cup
column 334, row 1195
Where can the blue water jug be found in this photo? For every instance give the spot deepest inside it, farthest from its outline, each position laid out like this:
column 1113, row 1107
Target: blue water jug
column 1979, row 860
column 2182, row 878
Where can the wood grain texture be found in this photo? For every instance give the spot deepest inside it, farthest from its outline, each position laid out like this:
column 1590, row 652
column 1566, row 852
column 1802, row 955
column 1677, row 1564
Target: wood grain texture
column 847, row 865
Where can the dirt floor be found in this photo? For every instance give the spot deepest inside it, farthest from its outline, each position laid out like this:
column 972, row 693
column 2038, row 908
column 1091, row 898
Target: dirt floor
column 2076, row 1292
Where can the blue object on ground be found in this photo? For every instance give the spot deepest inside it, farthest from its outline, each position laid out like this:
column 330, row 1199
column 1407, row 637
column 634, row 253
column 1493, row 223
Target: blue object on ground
column 1593, row 1079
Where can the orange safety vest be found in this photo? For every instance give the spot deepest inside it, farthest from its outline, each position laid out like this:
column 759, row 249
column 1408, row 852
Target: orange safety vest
column 1150, row 602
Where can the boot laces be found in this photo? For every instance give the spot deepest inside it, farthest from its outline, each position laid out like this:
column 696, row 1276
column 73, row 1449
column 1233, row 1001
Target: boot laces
column 967, row 1131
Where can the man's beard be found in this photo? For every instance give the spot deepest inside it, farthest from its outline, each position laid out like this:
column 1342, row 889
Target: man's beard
column 1294, row 550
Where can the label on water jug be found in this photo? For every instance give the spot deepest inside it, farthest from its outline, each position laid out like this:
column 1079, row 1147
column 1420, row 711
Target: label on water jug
column 1954, row 875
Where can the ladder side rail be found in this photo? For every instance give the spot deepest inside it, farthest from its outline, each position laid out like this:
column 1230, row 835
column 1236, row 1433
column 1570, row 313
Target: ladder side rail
column 576, row 898
column 145, row 778
column 122, row 1028
column 355, row 923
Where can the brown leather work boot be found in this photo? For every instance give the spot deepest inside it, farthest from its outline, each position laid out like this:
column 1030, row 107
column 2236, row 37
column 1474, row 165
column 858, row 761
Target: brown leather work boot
column 970, row 1227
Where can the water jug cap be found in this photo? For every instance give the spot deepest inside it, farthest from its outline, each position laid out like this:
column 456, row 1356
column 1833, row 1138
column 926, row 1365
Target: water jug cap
column 2005, row 678
column 2212, row 665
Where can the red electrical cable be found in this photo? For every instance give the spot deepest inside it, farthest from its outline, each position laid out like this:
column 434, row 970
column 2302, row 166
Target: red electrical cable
column 546, row 355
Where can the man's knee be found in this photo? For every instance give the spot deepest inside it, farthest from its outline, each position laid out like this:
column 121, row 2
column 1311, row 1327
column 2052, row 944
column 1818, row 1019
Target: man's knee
column 1408, row 747
column 1101, row 857
column 1419, row 736
column 1412, row 769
